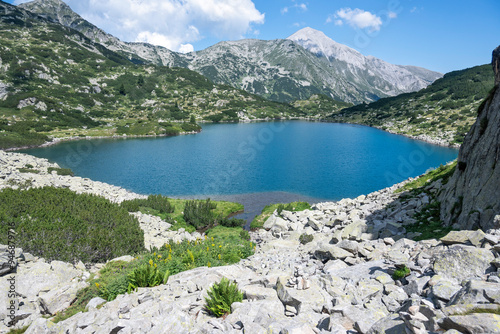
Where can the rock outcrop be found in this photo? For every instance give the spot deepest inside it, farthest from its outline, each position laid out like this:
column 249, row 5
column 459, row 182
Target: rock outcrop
column 471, row 197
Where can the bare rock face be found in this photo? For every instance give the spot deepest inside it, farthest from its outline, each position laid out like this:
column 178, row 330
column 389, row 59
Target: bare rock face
column 496, row 64
column 471, row 198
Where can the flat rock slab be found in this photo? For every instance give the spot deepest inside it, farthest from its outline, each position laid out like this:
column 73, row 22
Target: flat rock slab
column 461, row 262
column 464, row 237
column 361, row 271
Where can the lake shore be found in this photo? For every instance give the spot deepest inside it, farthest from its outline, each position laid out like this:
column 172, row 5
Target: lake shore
column 58, row 140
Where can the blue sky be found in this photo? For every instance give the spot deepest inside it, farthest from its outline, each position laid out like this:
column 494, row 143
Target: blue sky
column 440, row 35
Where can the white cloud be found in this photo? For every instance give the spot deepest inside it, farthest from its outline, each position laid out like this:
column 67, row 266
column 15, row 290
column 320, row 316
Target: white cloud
column 357, row 18
column 392, row 15
column 174, row 24
column 301, row 7
column 186, row 48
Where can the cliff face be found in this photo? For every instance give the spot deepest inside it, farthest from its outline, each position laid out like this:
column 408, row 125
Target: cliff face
column 471, row 198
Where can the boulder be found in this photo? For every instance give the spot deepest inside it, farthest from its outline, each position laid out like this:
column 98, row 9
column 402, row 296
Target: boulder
column 7, row 263
column 255, row 292
column 330, row 252
column 477, row 292
column 59, row 299
column 475, row 238
column 461, row 262
column 479, row 323
column 392, row 324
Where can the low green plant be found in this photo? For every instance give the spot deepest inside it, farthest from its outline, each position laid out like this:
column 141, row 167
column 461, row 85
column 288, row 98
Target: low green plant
column 401, row 273
column 28, row 170
column 19, row 330
column 443, row 172
column 244, row 235
column 146, row 276
column 58, row 224
column 305, row 238
column 159, row 203
column 61, row 171
column 221, row 296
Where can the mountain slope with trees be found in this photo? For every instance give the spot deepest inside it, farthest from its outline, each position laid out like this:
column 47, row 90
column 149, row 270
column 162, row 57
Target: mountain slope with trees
column 442, row 112
column 54, row 81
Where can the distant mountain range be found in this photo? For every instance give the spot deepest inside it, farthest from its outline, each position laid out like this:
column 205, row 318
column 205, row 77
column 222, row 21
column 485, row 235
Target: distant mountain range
column 304, row 64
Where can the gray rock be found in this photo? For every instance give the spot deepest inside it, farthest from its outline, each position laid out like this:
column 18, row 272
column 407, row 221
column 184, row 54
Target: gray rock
column 59, row 299
column 297, row 329
column 475, row 292
column 95, row 302
column 255, row 292
column 8, row 263
column 479, row 323
column 285, row 297
column 330, row 252
column 475, row 238
column 444, row 289
column 391, row 324
column 463, row 262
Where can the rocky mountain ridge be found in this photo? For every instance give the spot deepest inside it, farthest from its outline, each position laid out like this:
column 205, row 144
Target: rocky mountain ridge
column 280, row 70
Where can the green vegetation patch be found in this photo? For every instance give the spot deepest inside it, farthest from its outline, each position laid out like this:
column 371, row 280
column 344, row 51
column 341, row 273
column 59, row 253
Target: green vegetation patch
column 220, row 297
column 58, row 224
column 28, row 170
column 443, row 172
column 401, row 273
column 61, row 171
column 429, row 224
column 222, row 246
column 202, row 214
column 268, row 210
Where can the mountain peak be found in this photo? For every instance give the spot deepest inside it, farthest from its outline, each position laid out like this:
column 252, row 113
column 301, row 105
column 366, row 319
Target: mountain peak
column 318, row 43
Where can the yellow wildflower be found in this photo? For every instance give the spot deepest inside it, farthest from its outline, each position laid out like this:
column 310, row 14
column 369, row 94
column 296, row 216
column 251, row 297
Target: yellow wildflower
column 220, row 246
column 208, row 249
column 159, row 256
column 151, row 262
column 213, row 245
column 208, row 264
column 212, row 238
column 219, row 256
column 97, row 284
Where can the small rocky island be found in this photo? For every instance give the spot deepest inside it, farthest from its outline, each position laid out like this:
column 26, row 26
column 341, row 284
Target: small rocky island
column 356, row 271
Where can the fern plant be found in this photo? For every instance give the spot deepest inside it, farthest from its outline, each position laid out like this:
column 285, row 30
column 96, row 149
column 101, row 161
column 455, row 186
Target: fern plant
column 146, row 276
column 220, row 297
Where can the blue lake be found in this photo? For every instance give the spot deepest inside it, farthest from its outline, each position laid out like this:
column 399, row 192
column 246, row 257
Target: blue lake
column 254, row 163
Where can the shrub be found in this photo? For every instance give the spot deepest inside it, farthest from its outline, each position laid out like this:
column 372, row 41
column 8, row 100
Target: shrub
column 61, row 171
column 200, row 213
column 28, row 170
column 58, row 224
column 401, row 273
column 146, row 276
column 232, row 222
column 305, row 238
column 220, row 297
column 155, row 202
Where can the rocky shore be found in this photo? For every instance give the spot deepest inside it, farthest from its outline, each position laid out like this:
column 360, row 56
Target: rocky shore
column 342, row 281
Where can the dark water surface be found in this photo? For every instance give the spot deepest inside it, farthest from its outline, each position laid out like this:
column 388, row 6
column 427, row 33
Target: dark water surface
column 254, row 163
